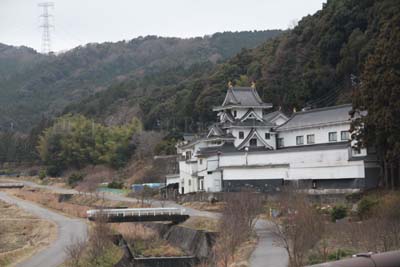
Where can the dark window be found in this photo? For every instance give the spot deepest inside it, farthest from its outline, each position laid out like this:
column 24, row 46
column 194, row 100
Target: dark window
column 280, row 142
column 299, row 140
column 267, row 136
column 332, row 136
column 209, row 172
column 310, row 139
column 234, row 113
column 188, row 155
column 314, row 184
column 253, row 142
column 344, row 135
column 241, row 135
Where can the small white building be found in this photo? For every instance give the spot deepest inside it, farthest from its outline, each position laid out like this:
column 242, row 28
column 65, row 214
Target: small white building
column 251, row 146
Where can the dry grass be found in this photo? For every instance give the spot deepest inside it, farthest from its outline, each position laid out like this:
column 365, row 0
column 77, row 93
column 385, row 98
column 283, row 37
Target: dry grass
column 22, row 234
column 201, row 223
column 76, row 206
column 242, row 255
column 205, row 206
column 146, row 242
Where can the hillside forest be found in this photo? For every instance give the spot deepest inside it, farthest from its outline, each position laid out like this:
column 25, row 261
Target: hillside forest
column 345, row 52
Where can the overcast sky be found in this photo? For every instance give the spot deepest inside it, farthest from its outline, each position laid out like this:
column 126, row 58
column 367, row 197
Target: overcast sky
column 83, row 21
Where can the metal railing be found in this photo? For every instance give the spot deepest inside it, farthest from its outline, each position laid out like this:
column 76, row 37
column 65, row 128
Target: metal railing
column 11, row 185
column 134, row 212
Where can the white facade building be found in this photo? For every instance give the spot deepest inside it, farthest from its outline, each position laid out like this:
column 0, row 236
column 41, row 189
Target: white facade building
column 252, row 147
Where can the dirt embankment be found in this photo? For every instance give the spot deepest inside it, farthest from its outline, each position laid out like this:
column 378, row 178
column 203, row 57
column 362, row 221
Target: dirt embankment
column 21, row 234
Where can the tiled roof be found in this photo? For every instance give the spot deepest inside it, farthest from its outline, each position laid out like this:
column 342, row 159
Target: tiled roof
column 243, row 96
column 314, row 117
column 269, row 116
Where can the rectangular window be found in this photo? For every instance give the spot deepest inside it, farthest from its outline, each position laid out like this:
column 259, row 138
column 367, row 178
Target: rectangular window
column 234, row 113
column 267, row 136
column 216, row 142
column 201, row 184
column 201, row 161
column 280, row 142
column 344, row 135
column 241, row 135
column 310, row 139
column 253, row 142
column 299, row 140
column 188, row 155
column 332, row 136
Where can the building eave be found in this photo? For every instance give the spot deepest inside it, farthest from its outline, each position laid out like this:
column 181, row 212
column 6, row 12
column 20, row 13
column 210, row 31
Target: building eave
column 264, row 106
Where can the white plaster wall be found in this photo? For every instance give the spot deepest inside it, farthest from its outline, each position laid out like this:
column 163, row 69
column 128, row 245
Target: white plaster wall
column 187, row 171
column 213, row 182
column 255, row 173
column 322, row 164
column 321, row 134
column 235, row 133
column 261, row 131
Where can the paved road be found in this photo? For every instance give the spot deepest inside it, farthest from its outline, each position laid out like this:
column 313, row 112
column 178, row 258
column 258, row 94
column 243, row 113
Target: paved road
column 68, row 231
column 266, row 254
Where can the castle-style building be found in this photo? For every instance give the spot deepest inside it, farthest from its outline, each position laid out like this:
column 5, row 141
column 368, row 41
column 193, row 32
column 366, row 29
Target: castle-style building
column 252, row 146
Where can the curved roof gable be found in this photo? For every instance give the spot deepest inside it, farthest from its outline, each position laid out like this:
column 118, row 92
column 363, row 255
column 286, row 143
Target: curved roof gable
column 244, row 96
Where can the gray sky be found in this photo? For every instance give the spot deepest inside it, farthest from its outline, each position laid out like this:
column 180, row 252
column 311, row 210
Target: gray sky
column 83, row 21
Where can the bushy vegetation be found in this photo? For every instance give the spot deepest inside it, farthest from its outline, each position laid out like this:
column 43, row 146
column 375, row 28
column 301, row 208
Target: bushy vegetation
column 116, row 185
column 338, row 212
column 42, row 174
column 365, row 206
column 74, row 141
column 75, row 178
column 335, row 255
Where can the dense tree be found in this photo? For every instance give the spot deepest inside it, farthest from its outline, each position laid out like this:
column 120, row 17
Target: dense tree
column 33, row 85
column 378, row 95
column 74, row 141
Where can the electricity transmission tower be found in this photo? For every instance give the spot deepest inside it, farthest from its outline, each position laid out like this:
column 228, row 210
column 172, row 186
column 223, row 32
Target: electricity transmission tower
column 46, row 25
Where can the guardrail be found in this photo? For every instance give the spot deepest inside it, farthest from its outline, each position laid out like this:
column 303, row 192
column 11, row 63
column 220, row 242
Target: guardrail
column 135, row 212
column 385, row 259
column 11, row 185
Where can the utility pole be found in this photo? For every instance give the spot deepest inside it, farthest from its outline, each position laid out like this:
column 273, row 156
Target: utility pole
column 46, row 25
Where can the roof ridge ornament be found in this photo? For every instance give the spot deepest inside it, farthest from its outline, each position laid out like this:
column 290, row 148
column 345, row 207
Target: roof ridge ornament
column 230, row 85
column 253, row 84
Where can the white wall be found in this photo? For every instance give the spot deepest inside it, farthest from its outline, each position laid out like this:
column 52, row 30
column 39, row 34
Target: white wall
column 213, row 182
column 241, row 111
column 321, row 134
column 261, row 131
column 322, row 164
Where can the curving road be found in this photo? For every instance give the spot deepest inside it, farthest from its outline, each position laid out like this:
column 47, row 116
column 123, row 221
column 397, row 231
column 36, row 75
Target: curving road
column 69, row 230
column 266, row 253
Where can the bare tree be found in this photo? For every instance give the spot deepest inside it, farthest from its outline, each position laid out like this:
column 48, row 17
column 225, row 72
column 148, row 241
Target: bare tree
column 380, row 232
column 100, row 239
column 300, row 227
column 237, row 223
column 75, row 252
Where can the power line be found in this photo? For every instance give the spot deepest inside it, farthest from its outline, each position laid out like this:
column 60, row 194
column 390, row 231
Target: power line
column 46, row 25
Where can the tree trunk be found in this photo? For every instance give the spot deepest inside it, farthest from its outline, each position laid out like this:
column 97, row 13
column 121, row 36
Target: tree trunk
column 392, row 175
column 398, row 174
column 385, row 174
